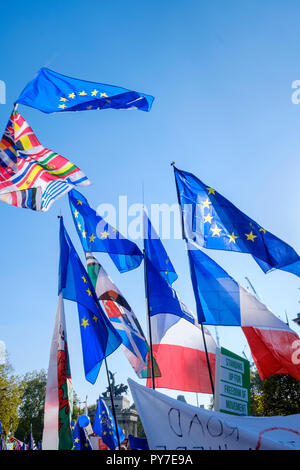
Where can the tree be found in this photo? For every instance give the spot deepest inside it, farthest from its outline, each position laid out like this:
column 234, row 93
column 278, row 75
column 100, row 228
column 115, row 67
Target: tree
column 31, row 410
column 277, row 395
column 11, row 390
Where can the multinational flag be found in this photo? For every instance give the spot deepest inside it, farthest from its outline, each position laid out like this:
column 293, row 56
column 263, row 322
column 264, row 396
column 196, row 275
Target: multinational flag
column 134, row 343
column 212, row 221
column 52, row 92
column 32, row 176
column 222, row 301
column 99, row 338
column 104, row 426
column 80, row 438
column 97, row 235
column 57, row 433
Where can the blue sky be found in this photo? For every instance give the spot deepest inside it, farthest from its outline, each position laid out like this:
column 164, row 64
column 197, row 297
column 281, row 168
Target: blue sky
column 221, row 73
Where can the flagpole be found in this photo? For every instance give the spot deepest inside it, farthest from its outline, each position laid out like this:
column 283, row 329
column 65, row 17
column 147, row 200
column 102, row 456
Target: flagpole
column 147, row 301
column 112, row 404
column 202, row 329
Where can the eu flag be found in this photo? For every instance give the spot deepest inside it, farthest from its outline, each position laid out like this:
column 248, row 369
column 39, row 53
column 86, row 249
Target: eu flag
column 53, row 92
column 97, row 235
column 212, row 221
column 80, row 438
column 98, row 336
column 104, row 426
column 162, row 298
column 157, row 254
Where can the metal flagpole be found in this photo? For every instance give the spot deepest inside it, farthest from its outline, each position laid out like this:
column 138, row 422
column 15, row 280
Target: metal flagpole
column 112, row 403
column 149, row 319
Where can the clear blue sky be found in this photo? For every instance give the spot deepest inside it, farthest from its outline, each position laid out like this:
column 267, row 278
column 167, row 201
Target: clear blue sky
column 221, row 74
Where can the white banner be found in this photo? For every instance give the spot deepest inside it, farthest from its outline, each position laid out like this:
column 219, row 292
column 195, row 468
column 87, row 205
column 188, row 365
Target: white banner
column 173, row 425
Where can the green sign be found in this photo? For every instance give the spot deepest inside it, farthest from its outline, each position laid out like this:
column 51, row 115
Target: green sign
column 232, row 383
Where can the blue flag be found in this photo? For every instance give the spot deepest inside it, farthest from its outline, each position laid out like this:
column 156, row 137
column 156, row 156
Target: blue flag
column 97, row 235
column 52, row 92
column 104, row 426
column 157, row 254
column 98, row 336
column 137, row 443
column 80, row 438
column 212, row 221
column 30, row 441
column 162, row 297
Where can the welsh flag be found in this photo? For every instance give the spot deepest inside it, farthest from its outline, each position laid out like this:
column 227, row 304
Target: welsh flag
column 57, row 433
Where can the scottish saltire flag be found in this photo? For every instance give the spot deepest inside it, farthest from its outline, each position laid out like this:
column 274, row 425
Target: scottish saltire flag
column 104, row 426
column 222, row 301
column 99, row 338
column 156, row 252
column 134, row 343
column 52, row 92
column 97, row 235
column 32, row 176
column 212, row 221
column 80, row 438
column 57, row 433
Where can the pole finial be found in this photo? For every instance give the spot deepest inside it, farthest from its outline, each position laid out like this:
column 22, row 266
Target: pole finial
column 173, row 164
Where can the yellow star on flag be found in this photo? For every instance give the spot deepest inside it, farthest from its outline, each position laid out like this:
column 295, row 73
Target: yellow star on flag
column 71, row 95
column 79, row 202
column 216, row 231
column 82, row 93
column 95, row 318
column 211, row 191
column 85, row 323
column 105, row 234
column 89, row 292
column 62, row 106
column 79, row 226
column 92, row 238
column 83, row 234
column 76, row 214
column 206, row 203
column 250, row 236
column 208, row 218
column 262, row 230
column 232, row 237
column 89, row 107
column 103, row 95
column 84, row 279
column 94, row 93
column 63, row 99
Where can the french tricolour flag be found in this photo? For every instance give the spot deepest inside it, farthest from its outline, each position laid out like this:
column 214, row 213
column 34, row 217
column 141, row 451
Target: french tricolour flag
column 222, row 301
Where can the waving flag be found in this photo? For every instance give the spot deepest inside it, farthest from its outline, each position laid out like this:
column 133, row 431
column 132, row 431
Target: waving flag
column 57, row 433
column 99, row 338
column 53, row 92
column 104, row 426
column 119, row 312
column 179, row 350
column 212, row 221
column 97, row 235
column 157, row 254
column 32, row 176
column 222, row 301
column 80, row 438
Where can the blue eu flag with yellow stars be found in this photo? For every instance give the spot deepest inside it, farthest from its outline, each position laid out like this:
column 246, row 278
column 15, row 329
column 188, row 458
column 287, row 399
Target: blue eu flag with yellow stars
column 53, row 92
column 212, row 221
column 99, row 338
column 104, row 426
column 80, row 437
column 156, row 252
column 97, row 235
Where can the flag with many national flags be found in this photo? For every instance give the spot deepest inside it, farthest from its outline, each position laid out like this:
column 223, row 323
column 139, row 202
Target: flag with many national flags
column 32, row 176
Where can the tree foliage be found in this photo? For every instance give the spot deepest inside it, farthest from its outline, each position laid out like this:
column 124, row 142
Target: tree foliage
column 11, row 390
column 278, row 395
column 31, row 410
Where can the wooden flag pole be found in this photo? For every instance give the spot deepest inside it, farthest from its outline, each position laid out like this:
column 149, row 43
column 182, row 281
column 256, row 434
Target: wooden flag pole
column 112, row 403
